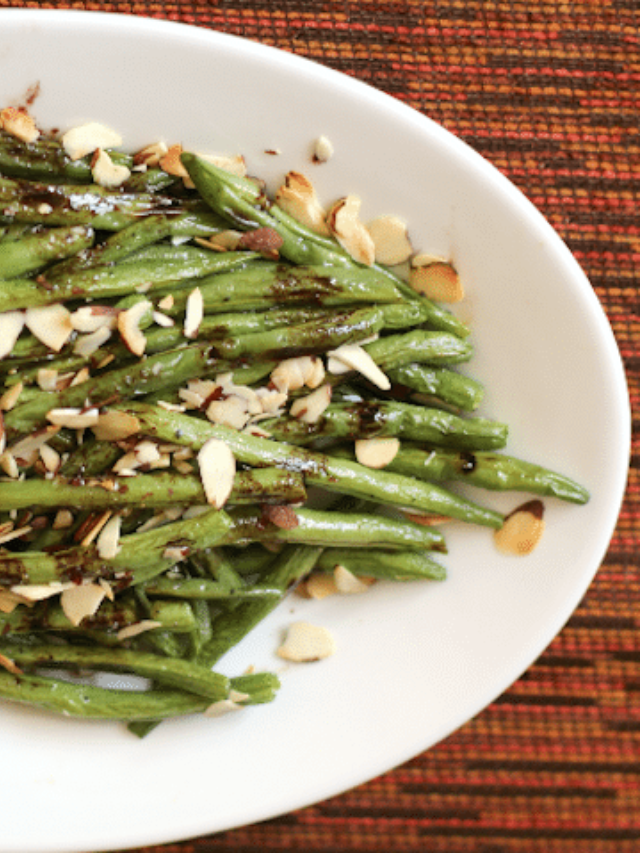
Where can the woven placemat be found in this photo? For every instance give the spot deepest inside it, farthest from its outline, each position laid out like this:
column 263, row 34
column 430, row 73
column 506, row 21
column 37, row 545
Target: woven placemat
column 549, row 92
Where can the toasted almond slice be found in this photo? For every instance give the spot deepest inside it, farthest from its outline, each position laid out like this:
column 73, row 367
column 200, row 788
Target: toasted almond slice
column 311, row 407
column 222, row 241
column 267, row 241
column 11, row 324
column 217, row 471
column 80, row 377
column 522, row 529
column 194, row 312
column 322, row 150
column 9, row 601
column 171, row 163
column 293, row 373
column 89, row 318
column 50, row 324
column 438, row 281
column 115, row 426
column 86, row 138
column 39, row 592
column 282, row 515
column 10, row 665
column 235, row 164
column 137, row 628
column 222, row 707
column 231, row 412
column 347, row 583
column 106, row 173
column 344, row 223
column 27, row 449
column 146, row 452
column 320, row 585
column 305, row 643
column 62, row 520
column 150, row 155
column 163, row 320
column 79, row 601
column 9, row 465
column 50, row 457
column 391, row 240
column 18, row 122
column 357, row 358
column 376, row 452
column 17, row 533
column 166, row 303
column 298, row 198
column 73, row 418
column 108, row 541
column 129, row 326
column 10, row 397
column 47, row 379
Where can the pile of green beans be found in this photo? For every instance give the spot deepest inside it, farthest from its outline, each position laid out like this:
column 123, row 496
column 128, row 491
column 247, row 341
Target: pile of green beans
column 203, row 577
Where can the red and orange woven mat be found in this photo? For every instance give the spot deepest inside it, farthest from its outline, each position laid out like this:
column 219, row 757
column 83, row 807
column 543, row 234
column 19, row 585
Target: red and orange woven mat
column 549, row 91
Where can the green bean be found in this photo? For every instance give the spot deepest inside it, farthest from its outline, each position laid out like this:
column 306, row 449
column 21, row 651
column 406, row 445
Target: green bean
column 141, row 555
column 179, row 674
column 382, row 564
column 158, row 489
column 333, row 474
column 201, row 588
column 419, row 345
column 99, row 703
column 293, row 563
column 494, row 471
column 333, row 528
column 32, row 253
column 391, row 418
column 68, row 204
column 442, row 383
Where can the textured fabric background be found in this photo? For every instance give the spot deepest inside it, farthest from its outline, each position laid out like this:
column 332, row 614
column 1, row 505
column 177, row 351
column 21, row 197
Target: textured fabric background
column 549, row 91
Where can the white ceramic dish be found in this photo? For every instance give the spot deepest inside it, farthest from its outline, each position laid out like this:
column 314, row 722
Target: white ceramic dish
column 414, row 662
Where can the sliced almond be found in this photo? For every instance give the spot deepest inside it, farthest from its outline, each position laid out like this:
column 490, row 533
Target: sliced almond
column 194, row 313
column 163, row 320
column 62, row 520
column 51, row 324
column 47, row 379
column 115, row 426
column 108, row 541
column 235, row 164
column 376, row 452
column 10, row 397
column 347, row 583
column 9, row 465
column 80, row 601
column 391, row 240
column 322, row 150
column 522, row 529
column 129, row 326
column 89, row 318
column 137, row 628
column 438, row 281
column 166, row 303
column 305, row 643
column 27, row 449
column 11, row 324
column 297, row 197
column 217, row 471
column 40, row 592
column 18, row 122
column 17, row 533
column 223, row 241
column 86, row 138
column 311, row 407
column 231, row 412
column 73, row 418
column 50, row 457
column 344, row 223
column 320, row 585
column 354, row 357
column 222, row 707
column 146, row 452
column 9, row 601
column 106, row 173
column 9, row 665
column 293, row 373
column 171, row 163
column 150, row 155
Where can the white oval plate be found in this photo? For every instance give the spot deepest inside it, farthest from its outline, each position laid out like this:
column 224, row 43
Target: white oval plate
column 414, row 662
